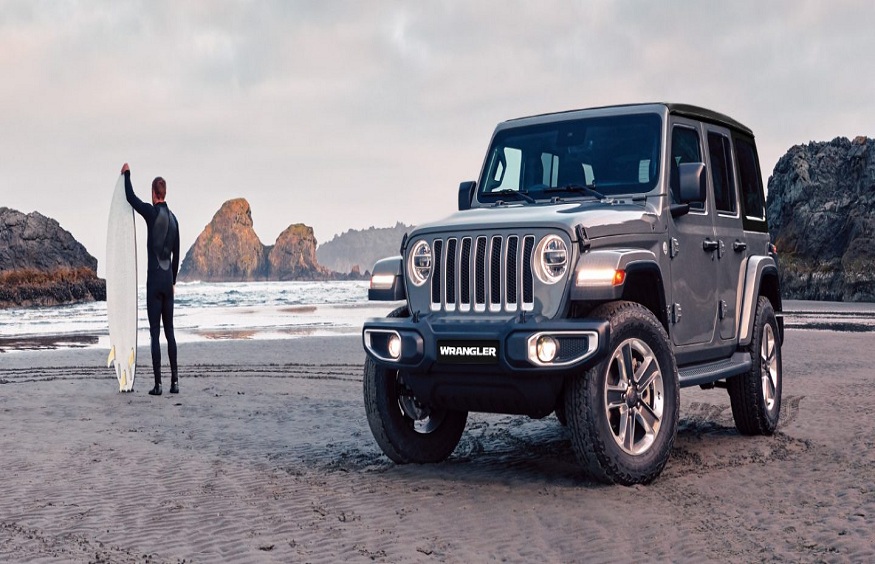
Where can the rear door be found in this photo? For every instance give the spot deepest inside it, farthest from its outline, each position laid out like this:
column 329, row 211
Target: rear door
column 730, row 252
column 693, row 266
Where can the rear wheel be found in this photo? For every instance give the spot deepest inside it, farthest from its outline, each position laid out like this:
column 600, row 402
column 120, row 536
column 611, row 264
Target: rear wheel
column 623, row 412
column 756, row 395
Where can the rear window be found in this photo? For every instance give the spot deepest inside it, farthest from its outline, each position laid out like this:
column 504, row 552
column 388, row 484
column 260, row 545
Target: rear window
column 752, row 202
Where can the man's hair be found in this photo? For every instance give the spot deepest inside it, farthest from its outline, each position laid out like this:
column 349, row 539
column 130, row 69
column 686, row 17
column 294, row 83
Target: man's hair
column 159, row 188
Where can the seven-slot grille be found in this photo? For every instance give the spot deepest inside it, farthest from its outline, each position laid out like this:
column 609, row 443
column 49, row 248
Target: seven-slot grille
column 483, row 273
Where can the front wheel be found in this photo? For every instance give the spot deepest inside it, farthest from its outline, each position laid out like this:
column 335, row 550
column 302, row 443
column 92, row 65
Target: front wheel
column 623, row 412
column 756, row 395
column 405, row 429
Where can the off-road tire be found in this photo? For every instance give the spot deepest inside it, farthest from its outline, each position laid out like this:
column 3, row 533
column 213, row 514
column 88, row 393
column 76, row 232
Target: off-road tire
column 394, row 430
column 590, row 419
column 750, row 393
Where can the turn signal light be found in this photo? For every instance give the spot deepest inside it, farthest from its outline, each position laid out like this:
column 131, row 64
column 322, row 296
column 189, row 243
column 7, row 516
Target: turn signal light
column 382, row 281
column 619, row 277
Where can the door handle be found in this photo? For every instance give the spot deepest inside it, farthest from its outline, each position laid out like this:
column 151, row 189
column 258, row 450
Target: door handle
column 739, row 246
column 710, row 246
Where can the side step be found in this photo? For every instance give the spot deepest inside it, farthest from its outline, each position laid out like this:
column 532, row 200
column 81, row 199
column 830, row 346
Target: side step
column 705, row 373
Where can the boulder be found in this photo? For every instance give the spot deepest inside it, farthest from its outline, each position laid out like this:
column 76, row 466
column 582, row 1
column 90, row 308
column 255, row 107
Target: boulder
column 821, row 206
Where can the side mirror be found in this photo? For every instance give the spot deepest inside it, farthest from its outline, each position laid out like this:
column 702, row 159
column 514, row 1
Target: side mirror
column 692, row 183
column 466, row 194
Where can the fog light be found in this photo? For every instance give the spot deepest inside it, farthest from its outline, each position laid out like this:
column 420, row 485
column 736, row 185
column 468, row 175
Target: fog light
column 547, row 348
column 393, row 346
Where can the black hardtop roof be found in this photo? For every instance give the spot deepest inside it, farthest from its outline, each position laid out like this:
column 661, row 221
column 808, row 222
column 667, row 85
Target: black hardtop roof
column 685, row 110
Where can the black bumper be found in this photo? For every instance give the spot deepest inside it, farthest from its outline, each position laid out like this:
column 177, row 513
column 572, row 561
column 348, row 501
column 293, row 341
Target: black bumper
column 508, row 381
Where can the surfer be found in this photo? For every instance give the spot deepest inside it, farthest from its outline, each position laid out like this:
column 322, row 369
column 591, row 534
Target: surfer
column 162, row 248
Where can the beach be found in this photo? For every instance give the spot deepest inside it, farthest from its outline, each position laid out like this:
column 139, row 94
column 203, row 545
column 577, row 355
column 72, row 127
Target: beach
column 266, row 456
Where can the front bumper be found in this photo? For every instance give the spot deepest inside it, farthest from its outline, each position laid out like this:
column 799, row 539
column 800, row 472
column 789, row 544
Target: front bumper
column 502, row 374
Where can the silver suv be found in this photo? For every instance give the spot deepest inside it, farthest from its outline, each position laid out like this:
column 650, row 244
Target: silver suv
column 606, row 258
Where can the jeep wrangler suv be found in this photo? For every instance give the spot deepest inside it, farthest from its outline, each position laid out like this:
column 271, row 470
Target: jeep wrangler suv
column 606, row 258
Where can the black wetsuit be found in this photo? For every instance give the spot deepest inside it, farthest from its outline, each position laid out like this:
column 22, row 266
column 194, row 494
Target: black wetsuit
column 162, row 246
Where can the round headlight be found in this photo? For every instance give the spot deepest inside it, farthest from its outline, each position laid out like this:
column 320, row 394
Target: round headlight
column 551, row 259
column 420, row 263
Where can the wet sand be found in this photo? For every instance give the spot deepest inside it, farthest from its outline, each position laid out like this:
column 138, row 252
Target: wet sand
column 266, row 456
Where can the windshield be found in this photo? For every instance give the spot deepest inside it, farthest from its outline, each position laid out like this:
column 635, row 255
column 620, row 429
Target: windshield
column 610, row 155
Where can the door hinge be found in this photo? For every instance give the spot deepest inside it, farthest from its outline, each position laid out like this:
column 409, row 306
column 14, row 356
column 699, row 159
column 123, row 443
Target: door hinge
column 674, row 313
column 675, row 247
column 722, row 250
column 723, row 309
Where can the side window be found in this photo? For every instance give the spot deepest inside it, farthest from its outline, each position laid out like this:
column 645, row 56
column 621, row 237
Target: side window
column 750, row 180
column 721, row 172
column 685, row 148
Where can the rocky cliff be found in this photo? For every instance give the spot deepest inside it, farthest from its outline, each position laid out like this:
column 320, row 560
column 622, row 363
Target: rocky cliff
column 42, row 264
column 228, row 250
column 821, row 207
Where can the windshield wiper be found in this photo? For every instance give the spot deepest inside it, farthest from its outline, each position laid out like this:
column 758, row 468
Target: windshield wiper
column 578, row 188
column 517, row 193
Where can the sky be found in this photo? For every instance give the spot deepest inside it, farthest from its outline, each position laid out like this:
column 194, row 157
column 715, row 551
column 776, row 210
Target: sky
column 351, row 114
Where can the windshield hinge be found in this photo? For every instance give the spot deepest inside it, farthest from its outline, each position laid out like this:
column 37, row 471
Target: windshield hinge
column 582, row 240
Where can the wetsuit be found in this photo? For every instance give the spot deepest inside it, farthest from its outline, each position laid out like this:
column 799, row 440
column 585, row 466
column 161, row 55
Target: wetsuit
column 162, row 246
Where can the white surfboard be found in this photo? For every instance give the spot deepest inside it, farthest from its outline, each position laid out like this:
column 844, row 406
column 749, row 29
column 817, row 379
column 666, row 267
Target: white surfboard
column 121, row 288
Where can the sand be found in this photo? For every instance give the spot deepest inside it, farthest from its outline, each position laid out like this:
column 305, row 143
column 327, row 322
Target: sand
column 266, row 456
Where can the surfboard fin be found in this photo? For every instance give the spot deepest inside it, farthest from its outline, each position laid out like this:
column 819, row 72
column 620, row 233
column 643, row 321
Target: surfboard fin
column 111, row 356
column 131, row 358
column 124, row 381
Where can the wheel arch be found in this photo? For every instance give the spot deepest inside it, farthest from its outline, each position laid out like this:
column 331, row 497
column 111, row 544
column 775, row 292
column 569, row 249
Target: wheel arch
column 644, row 285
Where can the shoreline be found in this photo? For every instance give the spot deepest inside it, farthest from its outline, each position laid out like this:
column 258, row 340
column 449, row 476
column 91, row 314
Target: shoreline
column 842, row 317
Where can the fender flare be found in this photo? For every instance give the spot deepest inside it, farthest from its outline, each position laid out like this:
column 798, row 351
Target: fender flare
column 758, row 268
column 607, row 261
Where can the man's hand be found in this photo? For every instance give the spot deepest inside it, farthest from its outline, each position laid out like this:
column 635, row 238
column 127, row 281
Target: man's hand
column 125, row 168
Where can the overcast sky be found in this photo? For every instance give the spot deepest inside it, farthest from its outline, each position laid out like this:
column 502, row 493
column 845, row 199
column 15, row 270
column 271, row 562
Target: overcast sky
column 351, row 114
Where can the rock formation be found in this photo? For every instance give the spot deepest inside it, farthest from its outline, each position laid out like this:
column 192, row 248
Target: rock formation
column 293, row 257
column 821, row 207
column 228, row 248
column 42, row 264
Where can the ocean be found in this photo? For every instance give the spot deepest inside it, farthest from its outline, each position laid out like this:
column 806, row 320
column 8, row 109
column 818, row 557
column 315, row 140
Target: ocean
column 287, row 310
column 206, row 311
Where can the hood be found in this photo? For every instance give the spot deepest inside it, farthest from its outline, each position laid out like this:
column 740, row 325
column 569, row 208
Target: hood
column 600, row 219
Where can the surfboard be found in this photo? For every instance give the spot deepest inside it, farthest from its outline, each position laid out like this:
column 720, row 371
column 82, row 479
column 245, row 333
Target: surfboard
column 121, row 288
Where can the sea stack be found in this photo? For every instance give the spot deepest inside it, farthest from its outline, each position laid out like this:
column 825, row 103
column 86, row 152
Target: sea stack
column 228, row 249
column 293, row 257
